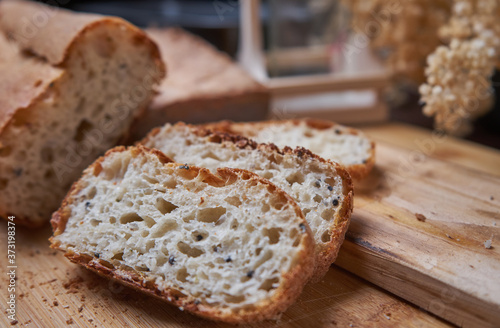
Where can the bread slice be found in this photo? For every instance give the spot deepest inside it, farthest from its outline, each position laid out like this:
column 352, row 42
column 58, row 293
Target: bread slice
column 70, row 86
column 322, row 189
column 228, row 246
column 329, row 140
column 203, row 85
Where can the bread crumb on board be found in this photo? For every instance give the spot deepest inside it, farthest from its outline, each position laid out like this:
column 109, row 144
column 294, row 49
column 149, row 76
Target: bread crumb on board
column 420, row 217
column 487, row 244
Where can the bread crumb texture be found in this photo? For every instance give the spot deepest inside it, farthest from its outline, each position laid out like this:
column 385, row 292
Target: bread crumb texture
column 331, row 141
column 231, row 242
column 321, row 189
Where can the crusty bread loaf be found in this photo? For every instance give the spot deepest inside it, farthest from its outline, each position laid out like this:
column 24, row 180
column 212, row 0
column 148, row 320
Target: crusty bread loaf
column 322, row 189
column 203, row 85
column 329, row 140
column 230, row 246
column 70, row 86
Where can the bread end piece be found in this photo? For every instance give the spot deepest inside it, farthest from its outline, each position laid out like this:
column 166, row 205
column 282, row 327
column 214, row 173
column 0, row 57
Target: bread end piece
column 77, row 83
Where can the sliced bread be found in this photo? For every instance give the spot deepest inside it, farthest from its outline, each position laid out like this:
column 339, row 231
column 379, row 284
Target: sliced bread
column 322, row 189
column 70, row 86
column 228, row 246
column 347, row 146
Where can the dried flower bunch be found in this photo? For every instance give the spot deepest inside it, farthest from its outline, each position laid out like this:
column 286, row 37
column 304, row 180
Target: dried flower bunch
column 458, row 87
column 404, row 32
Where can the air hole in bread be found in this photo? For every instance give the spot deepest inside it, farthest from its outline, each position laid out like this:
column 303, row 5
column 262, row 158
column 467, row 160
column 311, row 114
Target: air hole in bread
column 184, row 172
column 234, row 224
column 164, row 227
column 265, row 208
column 267, row 175
column 170, row 183
column 278, row 201
column 317, row 198
column 106, row 264
column 92, row 192
column 150, row 244
column 188, row 250
column 125, row 267
column 210, row 154
column 144, row 233
column 297, row 177
column 83, row 128
column 95, row 222
column 47, row 155
column 266, row 257
column 199, row 235
column 330, row 181
column 142, row 268
column 49, row 174
column 5, row 151
column 90, row 74
column 118, row 256
column 164, row 206
column 273, row 234
column 150, row 179
column 233, row 200
column 21, row 118
column 182, row 275
column 325, row 237
column 130, row 217
column 161, row 260
column 327, row 214
column 269, row 284
column 149, row 221
column 3, row 183
column 189, row 217
column 211, row 215
column 112, row 219
column 234, row 299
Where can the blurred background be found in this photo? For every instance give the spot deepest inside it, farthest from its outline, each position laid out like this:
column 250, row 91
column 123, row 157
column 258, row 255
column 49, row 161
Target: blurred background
column 308, row 38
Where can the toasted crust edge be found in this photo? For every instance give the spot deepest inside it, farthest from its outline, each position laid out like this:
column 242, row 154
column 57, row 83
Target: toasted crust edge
column 357, row 171
column 292, row 283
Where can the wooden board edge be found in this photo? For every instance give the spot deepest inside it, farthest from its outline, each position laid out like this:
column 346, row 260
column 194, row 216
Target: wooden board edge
column 428, row 293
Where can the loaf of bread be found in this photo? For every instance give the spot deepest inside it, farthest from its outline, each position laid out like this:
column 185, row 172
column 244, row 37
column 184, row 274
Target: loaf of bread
column 322, row 189
column 203, row 85
column 70, row 86
column 347, row 146
column 228, row 246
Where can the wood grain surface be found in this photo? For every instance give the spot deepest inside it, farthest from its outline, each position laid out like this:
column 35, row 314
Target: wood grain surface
column 52, row 292
column 421, row 226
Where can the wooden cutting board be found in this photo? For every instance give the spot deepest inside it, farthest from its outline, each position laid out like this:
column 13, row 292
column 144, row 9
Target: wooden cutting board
column 422, row 229
column 52, row 292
